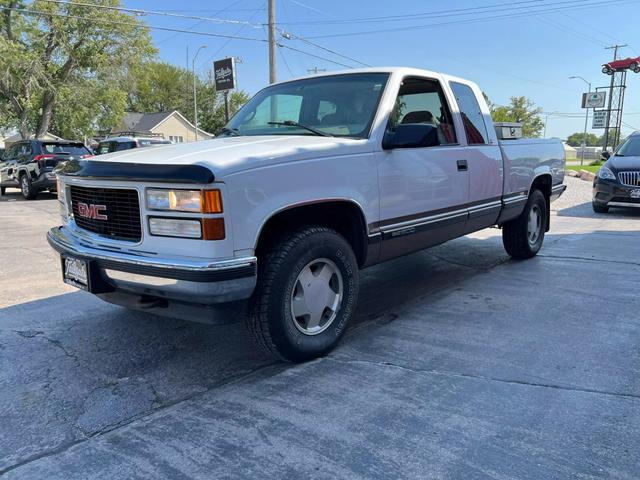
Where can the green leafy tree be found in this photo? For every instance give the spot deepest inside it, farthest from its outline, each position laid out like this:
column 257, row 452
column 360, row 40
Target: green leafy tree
column 576, row 139
column 522, row 110
column 52, row 61
column 157, row 86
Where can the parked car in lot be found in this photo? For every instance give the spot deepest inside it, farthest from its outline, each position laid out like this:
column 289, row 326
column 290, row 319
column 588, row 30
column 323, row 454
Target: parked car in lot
column 312, row 180
column 632, row 64
column 618, row 181
column 29, row 164
column 118, row 144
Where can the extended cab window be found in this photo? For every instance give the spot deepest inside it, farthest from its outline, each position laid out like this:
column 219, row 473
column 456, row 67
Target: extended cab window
column 472, row 116
column 421, row 101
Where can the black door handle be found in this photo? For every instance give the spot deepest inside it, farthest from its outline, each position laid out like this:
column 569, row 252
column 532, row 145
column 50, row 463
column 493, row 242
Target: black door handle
column 463, row 166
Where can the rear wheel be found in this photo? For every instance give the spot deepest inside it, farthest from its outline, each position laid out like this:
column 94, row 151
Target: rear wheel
column 522, row 237
column 306, row 294
column 3, row 190
column 599, row 208
column 28, row 192
column 633, row 66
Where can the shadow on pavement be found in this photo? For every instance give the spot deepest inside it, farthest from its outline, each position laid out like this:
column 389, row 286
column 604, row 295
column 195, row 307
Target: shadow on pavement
column 14, row 195
column 584, row 210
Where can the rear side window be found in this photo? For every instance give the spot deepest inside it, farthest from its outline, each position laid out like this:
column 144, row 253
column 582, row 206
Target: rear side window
column 104, row 147
column 125, row 146
column 71, row 149
column 472, row 117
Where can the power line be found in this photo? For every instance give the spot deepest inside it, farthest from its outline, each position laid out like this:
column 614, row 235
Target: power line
column 404, row 17
column 288, row 35
column 166, row 29
column 481, row 19
column 138, row 11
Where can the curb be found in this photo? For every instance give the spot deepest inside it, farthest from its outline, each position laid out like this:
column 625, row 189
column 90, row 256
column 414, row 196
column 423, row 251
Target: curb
column 582, row 175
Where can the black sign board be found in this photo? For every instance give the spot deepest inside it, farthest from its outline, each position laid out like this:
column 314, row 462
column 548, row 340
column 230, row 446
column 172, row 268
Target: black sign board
column 224, row 73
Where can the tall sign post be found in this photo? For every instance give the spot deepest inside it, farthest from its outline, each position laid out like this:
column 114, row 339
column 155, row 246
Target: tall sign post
column 590, row 100
column 224, row 75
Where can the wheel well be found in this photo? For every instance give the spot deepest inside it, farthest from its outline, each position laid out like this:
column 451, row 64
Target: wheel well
column 343, row 216
column 543, row 183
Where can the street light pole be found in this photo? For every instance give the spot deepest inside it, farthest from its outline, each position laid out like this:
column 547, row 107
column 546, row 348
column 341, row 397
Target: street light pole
column 546, row 119
column 586, row 120
column 195, row 96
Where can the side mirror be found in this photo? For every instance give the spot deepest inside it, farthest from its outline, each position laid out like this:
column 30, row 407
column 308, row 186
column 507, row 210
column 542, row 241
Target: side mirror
column 411, row 135
column 605, row 155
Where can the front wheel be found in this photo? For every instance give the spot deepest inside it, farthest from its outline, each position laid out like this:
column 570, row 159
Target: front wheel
column 522, row 237
column 306, row 294
column 28, row 191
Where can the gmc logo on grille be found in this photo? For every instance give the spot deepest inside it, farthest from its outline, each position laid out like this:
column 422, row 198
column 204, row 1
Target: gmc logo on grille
column 92, row 211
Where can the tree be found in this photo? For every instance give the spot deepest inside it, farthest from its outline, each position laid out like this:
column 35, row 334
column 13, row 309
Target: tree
column 576, row 139
column 56, row 59
column 157, row 86
column 522, row 110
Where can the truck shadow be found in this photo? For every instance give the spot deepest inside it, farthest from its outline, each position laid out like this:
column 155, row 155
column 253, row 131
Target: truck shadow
column 88, row 366
column 584, row 210
column 14, row 195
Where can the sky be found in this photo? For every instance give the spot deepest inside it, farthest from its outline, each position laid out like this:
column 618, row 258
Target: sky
column 521, row 47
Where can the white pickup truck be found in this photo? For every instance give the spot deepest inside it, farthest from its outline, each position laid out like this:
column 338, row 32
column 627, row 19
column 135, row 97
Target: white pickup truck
column 312, row 180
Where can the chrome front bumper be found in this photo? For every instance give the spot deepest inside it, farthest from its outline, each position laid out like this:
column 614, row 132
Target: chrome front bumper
column 150, row 282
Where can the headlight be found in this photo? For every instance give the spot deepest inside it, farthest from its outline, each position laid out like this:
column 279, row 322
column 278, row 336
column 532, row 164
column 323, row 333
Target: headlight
column 200, row 201
column 606, row 174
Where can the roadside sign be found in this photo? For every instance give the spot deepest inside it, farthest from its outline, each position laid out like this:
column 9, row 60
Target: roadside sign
column 224, row 74
column 599, row 119
column 593, row 99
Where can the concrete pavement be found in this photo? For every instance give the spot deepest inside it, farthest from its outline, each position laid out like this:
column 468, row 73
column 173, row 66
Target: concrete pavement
column 461, row 364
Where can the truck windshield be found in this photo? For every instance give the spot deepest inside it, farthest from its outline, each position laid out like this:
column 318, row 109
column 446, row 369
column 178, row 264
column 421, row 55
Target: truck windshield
column 335, row 105
column 630, row 147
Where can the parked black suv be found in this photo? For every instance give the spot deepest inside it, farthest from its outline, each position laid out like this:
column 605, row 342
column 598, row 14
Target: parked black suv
column 618, row 181
column 29, row 164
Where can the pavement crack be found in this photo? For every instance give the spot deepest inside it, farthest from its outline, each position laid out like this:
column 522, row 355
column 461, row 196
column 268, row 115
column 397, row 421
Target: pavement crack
column 569, row 388
column 278, row 367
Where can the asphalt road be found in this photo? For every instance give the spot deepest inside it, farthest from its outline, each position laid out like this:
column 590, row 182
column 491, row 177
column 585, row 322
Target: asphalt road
column 461, row 364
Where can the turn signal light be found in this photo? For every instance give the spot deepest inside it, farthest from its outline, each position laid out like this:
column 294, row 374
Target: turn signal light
column 212, row 202
column 213, row 229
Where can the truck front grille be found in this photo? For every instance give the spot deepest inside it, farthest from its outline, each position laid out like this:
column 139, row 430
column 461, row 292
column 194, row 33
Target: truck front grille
column 631, row 179
column 90, row 206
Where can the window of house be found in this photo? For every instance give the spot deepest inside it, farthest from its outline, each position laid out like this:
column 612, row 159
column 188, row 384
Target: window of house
column 421, row 101
column 472, row 116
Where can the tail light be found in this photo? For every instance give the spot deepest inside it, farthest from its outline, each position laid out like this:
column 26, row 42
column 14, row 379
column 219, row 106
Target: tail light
column 40, row 158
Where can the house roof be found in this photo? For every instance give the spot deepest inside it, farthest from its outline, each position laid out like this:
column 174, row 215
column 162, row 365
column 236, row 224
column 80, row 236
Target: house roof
column 144, row 122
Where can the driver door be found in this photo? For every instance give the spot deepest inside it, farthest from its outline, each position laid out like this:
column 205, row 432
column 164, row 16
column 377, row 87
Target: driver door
column 424, row 187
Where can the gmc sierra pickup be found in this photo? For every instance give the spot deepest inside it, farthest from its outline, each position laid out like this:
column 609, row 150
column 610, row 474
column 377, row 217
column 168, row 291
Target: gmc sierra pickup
column 312, row 180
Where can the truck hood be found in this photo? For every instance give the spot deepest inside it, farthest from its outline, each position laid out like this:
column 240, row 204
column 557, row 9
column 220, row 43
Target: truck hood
column 226, row 155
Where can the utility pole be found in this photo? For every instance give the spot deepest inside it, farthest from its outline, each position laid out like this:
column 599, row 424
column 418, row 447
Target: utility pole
column 610, row 103
column 272, row 41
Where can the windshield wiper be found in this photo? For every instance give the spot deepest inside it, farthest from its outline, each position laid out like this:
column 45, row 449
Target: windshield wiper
column 232, row 132
column 291, row 123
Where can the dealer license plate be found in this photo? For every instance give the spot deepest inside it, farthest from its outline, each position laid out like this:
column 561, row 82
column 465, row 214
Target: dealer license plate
column 76, row 272
column 635, row 193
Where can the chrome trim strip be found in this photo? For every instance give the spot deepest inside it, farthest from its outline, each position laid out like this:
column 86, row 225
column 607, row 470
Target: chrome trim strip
column 425, row 220
column 57, row 237
column 485, row 206
column 515, row 199
column 623, row 204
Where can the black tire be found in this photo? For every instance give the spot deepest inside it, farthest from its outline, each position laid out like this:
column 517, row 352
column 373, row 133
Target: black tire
column 633, row 66
column 3, row 190
column 599, row 208
column 26, row 187
column 271, row 321
column 515, row 233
